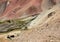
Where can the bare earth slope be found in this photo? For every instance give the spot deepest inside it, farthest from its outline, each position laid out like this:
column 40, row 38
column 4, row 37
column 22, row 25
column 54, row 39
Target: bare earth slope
column 43, row 29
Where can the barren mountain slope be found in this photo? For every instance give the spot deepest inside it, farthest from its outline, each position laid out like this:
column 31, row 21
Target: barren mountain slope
column 44, row 28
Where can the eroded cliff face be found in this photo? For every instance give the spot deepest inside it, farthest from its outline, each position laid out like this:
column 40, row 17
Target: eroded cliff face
column 45, row 27
column 19, row 8
column 15, row 10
